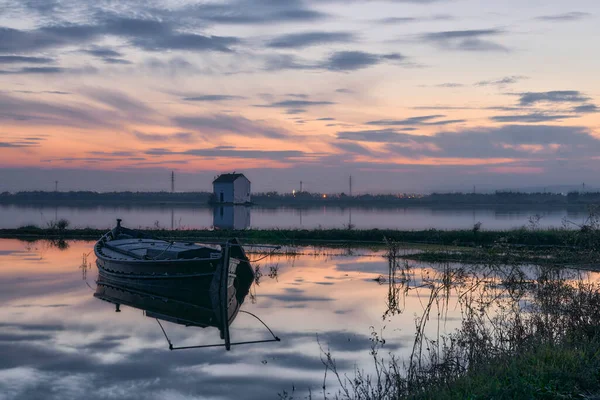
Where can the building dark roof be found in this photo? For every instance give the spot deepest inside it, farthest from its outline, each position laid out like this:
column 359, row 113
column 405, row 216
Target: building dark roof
column 228, row 178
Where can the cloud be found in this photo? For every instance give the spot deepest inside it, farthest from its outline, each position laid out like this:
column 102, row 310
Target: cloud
column 375, row 136
column 508, row 80
column 19, row 110
column 102, row 52
column 354, row 148
column 558, row 96
column 425, row 120
column 119, row 25
column 297, row 104
column 442, row 107
column 42, row 91
column 112, row 153
column 37, row 70
column 565, row 17
column 156, row 137
column 19, row 143
column 213, row 97
column 398, row 20
column 186, row 41
column 464, row 34
column 341, row 61
column 50, row 71
column 250, row 12
column 91, row 160
column 222, row 123
column 227, row 152
column 355, row 60
column 154, row 373
column 110, row 60
column 17, row 41
column 147, row 34
column 466, row 40
column 307, row 39
column 295, row 298
column 408, row 20
column 293, row 111
column 450, row 85
column 530, row 118
column 278, row 62
column 25, row 60
column 510, row 141
column 120, row 102
column 298, row 95
column 107, row 55
column 524, row 142
column 171, row 66
column 586, row 108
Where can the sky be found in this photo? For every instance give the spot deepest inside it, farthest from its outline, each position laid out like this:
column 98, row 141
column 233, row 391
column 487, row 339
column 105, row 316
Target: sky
column 402, row 95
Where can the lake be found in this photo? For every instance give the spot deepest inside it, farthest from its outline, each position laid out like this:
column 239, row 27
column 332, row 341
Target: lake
column 58, row 341
column 239, row 217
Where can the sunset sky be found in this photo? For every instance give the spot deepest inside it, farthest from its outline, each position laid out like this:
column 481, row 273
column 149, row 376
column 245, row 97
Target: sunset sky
column 404, row 95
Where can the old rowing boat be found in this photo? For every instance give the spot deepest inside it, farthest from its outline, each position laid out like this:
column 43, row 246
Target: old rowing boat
column 184, row 283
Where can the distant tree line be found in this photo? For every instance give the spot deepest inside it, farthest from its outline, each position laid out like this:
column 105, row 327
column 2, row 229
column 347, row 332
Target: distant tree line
column 302, row 199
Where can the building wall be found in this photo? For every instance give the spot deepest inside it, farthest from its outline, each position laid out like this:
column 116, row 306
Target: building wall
column 241, row 190
column 226, row 189
column 237, row 192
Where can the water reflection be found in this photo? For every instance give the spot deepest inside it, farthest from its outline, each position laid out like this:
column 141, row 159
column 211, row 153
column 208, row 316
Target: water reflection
column 189, row 302
column 13, row 216
column 58, row 342
column 231, row 217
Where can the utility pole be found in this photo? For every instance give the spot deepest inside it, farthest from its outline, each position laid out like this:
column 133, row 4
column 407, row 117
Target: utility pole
column 172, row 181
column 56, row 186
column 474, row 189
column 301, row 187
column 350, row 184
column 583, row 186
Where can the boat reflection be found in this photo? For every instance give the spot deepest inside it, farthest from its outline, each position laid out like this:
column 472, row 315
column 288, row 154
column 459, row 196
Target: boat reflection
column 235, row 217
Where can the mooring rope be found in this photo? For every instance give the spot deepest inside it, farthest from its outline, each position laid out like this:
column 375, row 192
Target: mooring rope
column 171, row 347
column 261, row 321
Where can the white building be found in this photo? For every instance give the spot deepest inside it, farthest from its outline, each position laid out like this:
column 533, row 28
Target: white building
column 231, row 189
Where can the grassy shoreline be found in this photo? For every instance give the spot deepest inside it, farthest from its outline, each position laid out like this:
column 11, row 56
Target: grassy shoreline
column 564, row 370
column 565, row 248
column 467, row 238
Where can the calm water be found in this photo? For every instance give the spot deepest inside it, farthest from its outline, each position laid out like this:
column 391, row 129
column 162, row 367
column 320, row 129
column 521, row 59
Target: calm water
column 242, row 217
column 59, row 342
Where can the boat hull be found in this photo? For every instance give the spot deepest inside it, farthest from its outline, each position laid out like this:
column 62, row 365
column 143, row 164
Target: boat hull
column 183, row 283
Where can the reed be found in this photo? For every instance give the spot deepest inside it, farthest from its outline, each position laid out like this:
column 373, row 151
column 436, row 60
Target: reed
column 527, row 332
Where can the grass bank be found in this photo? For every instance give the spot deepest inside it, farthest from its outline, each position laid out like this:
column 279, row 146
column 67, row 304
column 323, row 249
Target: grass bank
column 568, row 370
column 468, row 238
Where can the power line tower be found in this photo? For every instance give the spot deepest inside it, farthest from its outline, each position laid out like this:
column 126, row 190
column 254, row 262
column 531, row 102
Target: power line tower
column 301, row 189
column 350, row 186
column 172, row 181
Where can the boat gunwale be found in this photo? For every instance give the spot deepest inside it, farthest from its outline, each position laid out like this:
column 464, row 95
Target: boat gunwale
column 99, row 254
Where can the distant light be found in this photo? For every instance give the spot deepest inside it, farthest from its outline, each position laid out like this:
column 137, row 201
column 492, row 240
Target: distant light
column 294, row 192
column 324, row 196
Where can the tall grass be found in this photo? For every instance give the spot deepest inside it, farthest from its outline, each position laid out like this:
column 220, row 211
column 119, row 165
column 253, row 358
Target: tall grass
column 526, row 332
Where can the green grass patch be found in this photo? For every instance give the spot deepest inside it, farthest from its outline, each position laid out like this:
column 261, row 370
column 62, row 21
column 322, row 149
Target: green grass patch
column 570, row 370
column 555, row 237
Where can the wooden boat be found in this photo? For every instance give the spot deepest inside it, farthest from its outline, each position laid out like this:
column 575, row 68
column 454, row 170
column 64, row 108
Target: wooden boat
column 184, row 283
